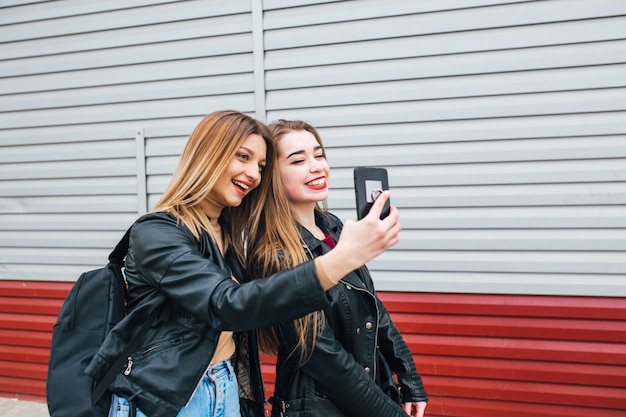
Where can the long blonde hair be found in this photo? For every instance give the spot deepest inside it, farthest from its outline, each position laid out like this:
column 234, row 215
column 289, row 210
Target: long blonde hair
column 280, row 246
column 208, row 152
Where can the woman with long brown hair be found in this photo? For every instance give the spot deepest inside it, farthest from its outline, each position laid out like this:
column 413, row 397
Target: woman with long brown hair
column 329, row 362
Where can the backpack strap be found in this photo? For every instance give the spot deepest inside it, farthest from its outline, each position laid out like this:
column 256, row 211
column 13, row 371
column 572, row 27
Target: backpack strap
column 117, row 257
column 121, row 249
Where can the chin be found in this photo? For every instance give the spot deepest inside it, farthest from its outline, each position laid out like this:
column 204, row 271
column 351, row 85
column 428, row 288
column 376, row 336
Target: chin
column 322, row 196
column 235, row 203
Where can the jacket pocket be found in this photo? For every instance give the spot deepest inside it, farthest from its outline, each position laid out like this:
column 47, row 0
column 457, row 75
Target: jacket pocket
column 148, row 352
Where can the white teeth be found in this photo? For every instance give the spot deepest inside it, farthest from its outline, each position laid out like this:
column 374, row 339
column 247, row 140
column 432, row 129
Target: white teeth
column 320, row 181
column 241, row 184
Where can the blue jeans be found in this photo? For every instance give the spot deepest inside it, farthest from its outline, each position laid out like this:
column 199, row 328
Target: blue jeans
column 216, row 396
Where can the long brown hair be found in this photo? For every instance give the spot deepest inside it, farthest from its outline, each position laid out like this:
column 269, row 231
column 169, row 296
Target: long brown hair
column 209, row 150
column 279, row 246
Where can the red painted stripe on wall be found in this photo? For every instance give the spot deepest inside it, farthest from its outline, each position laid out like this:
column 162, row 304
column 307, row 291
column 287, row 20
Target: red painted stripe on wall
column 28, row 311
column 480, row 355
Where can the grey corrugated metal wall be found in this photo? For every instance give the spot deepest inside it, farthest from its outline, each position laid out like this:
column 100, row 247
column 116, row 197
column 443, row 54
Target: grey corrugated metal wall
column 502, row 125
column 84, row 86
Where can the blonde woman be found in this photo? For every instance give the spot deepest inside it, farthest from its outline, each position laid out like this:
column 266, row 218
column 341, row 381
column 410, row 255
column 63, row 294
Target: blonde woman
column 185, row 258
column 328, row 362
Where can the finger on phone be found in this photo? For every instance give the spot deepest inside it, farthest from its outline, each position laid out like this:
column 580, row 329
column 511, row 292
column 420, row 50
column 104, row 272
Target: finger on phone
column 392, row 218
column 378, row 205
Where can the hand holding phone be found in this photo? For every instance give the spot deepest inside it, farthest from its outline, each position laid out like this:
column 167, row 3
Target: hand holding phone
column 369, row 183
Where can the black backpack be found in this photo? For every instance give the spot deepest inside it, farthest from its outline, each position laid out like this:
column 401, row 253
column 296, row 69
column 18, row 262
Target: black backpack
column 94, row 305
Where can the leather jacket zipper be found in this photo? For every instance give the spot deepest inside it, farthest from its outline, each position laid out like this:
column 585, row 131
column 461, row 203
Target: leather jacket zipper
column 366, row 291
column 129, row 365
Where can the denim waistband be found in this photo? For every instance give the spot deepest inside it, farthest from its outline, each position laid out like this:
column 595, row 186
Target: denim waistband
column 219, row 369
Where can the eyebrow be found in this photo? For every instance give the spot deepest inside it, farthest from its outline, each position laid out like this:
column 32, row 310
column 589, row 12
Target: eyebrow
column 250, row 151
column 317, row 148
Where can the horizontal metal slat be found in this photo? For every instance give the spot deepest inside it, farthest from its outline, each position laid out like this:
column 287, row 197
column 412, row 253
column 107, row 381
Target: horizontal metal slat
column 24, row 354
column 580, row 217
column 66, row 134
column 518, row 195
column 465, row 20
column 549, row 279
column 71, row 204
column 431, row 67
column 129, row 55
column 63, row 187
column 601, row 308
column 34, row 322
column 514, row 240
column 67, row 222
column 142, row 72
column 281, row 13
column 24, row 370
column 504, row 348
column 571, row 395
column 442, row 405
column 72, row 268
column 533, row 104
column 567, row 127
column 25, row 11
column 12, row 386
column 522, row 370
column 538, row 81
column 58, row 256
column 161, row 22
column 93, row 151
column 21, row 338
column 87, row 239
column 31, row 305
column 88, row 169
column 501, row 38
column 165, row 146
column 131, row 111
column 528, row 154
column 34, row 289
column 162, row 165
column 136, row 92
column 513, row 327
column 609, row 170
column 520, row 262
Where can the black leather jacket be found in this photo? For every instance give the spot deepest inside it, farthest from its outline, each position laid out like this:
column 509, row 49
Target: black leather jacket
column 343, row 367
column 167, row 265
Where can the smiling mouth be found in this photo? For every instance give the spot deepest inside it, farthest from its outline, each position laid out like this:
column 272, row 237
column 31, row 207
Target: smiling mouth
column 243, row 186
column 317, row 183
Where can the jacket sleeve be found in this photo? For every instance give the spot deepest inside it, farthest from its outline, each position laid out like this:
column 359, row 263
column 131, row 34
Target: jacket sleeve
column 168, row 257
column 399, row 357
column 338, row 376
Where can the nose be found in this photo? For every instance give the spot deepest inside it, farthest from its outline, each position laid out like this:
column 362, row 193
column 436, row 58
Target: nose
column 315, row 165
column 254, row 173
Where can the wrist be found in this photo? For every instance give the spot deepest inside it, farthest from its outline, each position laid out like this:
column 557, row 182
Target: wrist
column 334, row 266
column 325, row 281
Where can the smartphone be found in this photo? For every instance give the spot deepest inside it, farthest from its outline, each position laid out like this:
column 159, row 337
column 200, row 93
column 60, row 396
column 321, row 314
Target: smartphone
column 369, row 183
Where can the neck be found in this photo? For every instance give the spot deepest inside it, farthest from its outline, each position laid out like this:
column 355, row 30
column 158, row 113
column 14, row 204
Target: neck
column 306, row 218
column 212, row 211
column 220, row 237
